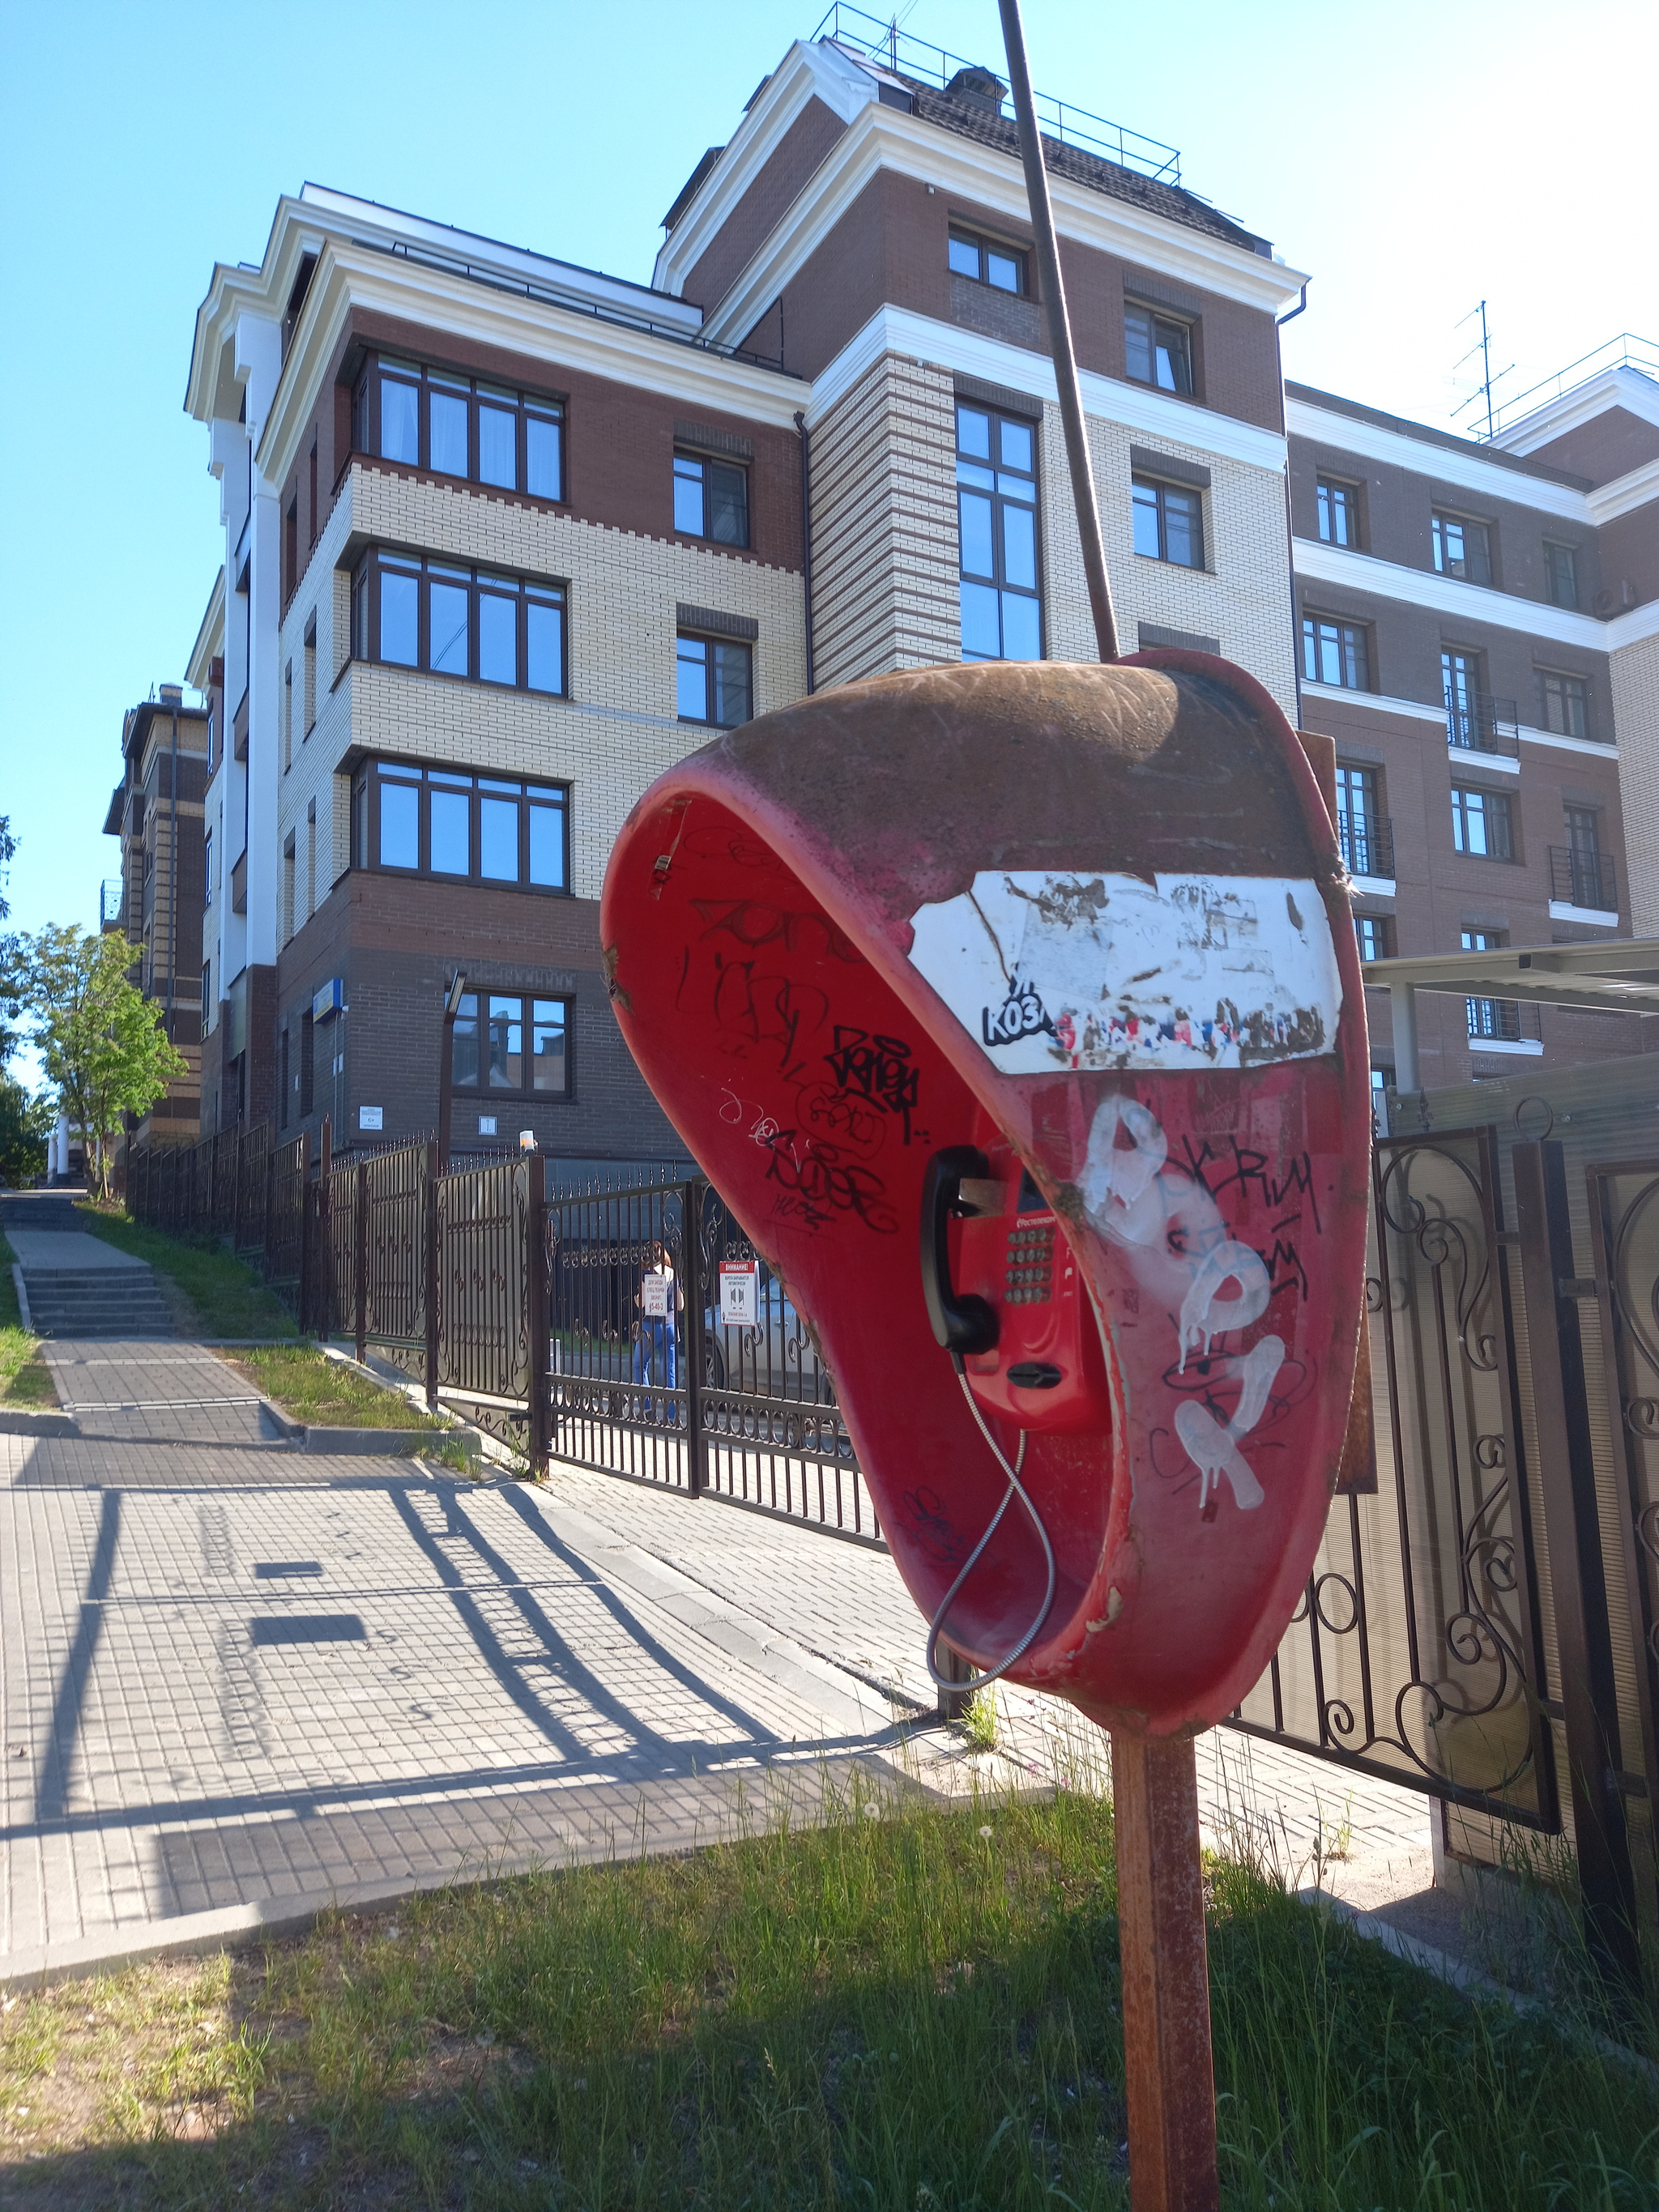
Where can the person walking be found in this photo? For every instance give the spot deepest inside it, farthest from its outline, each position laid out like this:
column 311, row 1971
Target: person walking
column 660, row 1301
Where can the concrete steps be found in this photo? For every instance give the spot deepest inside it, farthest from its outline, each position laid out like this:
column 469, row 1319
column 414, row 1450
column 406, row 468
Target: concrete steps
column 96, row 1302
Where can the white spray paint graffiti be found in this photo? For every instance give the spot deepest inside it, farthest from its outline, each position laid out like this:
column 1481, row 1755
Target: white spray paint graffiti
column 1132, row 1203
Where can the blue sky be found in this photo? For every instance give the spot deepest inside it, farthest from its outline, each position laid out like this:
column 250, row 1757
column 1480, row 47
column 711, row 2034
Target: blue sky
column 1413, row 157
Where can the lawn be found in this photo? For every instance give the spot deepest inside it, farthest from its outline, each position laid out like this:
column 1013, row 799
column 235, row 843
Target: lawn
column 219, row 1294
column 917, row 2013
column 25, row 1379
column 326, row 1393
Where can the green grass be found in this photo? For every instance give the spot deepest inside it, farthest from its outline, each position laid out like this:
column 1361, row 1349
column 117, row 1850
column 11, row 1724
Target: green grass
column 326, row 1395
column 25, row 1378
column 220, row 1295
column 917, row 2013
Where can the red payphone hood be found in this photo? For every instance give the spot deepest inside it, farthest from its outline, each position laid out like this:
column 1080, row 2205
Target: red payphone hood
column 1101, row 911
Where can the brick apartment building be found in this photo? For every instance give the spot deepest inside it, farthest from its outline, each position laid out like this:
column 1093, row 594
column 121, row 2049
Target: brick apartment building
column 157, row 811
column 1478, row 634
column 504, row 537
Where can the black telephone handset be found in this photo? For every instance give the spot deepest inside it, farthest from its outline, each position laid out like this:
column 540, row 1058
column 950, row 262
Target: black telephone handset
column 1022, row 1329
column 961, row 1322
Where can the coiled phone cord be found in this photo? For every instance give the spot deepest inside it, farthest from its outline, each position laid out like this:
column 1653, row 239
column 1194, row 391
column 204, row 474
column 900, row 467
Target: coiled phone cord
column 1016, row 1489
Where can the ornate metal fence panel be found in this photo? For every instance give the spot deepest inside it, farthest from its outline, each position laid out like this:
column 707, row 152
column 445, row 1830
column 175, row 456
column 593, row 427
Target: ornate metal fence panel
column 619, row 1379
column 1417, row 1650
column 484, row 1262
column 284, row 1235
column 337, row 1261
column 394, row 1256
column 774, row 1434
column 743, row 1413
column 1623, row 1207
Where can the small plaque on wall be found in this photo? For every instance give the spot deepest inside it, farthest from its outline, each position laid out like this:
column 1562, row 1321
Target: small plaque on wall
column 371, row 1117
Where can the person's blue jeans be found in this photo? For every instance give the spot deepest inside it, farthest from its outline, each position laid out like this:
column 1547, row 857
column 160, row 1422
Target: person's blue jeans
column 656, row 1355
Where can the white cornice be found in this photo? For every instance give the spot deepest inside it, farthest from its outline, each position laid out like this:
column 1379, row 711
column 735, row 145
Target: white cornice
column 1362, row 571
column 1612, row 387
column 1562, row 744
column 1625, row 494
column 805, row 73
column 1135, row 406
column 885, row 138
column 210, row 638
column 1350, row 434
column 1633, row 629
column 349, row 276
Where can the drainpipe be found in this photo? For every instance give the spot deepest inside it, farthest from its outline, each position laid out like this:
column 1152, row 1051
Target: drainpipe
column 172, row 869
column 1300, row 308
column 806, row 538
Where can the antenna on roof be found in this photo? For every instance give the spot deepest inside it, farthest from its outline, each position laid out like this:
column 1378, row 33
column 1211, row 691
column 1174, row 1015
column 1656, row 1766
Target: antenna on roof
column 1481, row 396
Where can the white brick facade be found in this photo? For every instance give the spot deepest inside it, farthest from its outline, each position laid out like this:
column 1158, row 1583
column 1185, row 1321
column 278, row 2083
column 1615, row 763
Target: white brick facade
column 616, row 732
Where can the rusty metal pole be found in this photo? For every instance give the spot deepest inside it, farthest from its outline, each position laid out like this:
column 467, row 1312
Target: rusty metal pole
column 1169, row 2070
column 1168, row 2073
column 1060, row 335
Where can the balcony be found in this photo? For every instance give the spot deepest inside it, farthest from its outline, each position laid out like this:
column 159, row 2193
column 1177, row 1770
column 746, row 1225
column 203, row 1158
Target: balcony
column 111, row 903
column 1367, row 847
column 1582, row 879
column 1480, row 722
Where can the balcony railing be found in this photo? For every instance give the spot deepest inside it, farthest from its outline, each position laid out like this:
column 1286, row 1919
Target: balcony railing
column 1367, row 847
column 1584, row 880
column 111, row 902
column 1478, row 722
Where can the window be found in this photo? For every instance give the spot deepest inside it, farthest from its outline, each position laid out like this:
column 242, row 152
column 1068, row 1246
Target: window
column 287, row 717
column 208, row 1007
column 283, row 1082
column 290, row 549
column 1481, row 824
column 997, row 517
column 1561, row 574
column 1564, row 704
column 457, row 622
column 1366, row 845
column 1460, row 688
column 309, row 700
column 711, row 499
column 1339, row 512
column 1335, row 652
column 1588, row 884
column 458, row 425
column 207, row 869
column 308, row 1064
column 1002, row 267
column 504, row 1042
column 311, row 860
column 1462, row 548
column 1374, row 932
column 477, row 829
column 1157, row 349
column 1491, row 1018
column 288, row 888
column 1169, row 523
column 310, row 466
column 715, row 681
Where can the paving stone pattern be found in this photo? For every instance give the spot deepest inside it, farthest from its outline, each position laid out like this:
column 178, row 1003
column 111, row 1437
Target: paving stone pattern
column 234, row 1677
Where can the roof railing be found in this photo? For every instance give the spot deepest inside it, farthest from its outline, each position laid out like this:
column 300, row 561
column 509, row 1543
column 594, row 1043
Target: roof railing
column 1625, row 351
column 870, row 40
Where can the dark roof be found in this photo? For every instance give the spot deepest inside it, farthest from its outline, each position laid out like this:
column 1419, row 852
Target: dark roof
column 1426, row 434
column 1173, row 202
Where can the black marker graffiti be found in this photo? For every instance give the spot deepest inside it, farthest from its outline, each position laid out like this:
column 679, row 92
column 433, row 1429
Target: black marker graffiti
column 877, row 1069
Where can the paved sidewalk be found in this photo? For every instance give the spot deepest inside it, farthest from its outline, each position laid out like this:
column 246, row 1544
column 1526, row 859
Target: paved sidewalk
column 237, row 1681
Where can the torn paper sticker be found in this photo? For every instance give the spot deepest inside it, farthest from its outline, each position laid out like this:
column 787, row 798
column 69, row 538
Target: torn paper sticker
column 1055, row 972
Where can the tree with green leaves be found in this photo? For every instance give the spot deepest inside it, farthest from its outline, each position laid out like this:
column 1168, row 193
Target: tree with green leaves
column 26, row 1120
column 100, row 1041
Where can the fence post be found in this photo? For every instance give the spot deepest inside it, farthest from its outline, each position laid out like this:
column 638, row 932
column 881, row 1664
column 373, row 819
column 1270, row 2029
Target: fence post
column 325, row 1224
column 431, row 1256
column 1566, row 1482
column 270, row 1184
column 302, row 1296
column 360, row 1261
column 536, row 1441
column 691, row 1204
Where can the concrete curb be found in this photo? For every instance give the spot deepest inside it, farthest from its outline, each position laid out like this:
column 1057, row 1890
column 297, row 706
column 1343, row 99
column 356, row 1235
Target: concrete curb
column 22, row 1289
column 378, row 1444
column 19, row 1421
column 1460, row 1975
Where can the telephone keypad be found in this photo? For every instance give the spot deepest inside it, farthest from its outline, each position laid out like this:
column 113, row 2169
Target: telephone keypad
column 1028, row 1278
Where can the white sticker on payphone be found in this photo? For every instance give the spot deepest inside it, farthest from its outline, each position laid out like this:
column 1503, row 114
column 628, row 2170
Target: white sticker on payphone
column 739, row 1293
column 1074, row 972
column 653, row 1296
